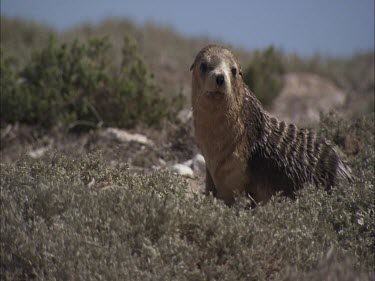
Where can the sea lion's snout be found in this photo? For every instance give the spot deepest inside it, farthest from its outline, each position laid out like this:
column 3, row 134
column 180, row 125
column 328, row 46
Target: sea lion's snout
column 220, row 79
column 216, row 79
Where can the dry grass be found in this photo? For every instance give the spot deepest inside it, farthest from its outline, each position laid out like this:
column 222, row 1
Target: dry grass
column 78, row 219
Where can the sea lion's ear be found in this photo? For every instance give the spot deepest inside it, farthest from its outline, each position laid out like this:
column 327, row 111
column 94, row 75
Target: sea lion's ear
column 192, row 66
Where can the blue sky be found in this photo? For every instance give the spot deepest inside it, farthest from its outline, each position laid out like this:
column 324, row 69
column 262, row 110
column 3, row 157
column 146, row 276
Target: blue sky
column 328, row 27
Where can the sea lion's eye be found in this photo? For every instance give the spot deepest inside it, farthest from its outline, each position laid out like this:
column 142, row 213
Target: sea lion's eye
column 203, row 67
column 234, row 71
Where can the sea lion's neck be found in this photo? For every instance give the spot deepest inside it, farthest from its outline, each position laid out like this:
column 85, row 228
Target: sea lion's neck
column 217, row 129
column 256, row 120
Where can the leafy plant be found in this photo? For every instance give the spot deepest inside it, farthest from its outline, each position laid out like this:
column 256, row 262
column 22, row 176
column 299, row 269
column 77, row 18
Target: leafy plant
column 11, row 101
column 264, row 75
column 74, row 86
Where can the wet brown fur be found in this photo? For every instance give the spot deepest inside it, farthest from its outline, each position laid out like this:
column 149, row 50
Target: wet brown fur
column 247, row 150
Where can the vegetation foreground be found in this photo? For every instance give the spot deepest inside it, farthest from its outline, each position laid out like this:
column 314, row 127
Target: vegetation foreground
column 68, row 219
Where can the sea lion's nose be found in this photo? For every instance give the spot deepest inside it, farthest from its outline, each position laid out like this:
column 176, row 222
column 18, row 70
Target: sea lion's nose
column 220, row 79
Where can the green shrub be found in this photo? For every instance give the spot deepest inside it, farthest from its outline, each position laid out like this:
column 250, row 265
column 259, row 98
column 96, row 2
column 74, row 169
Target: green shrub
column 263, row 75
column 11, row 101
column 69, row 86
column 138, row 100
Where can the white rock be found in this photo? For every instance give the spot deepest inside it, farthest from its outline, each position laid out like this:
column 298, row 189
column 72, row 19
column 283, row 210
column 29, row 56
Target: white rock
column 124, row 136
column 185, row 115
column 188, row 163
column 37, row 153
column 183, row 170
column 91, row 183
column 162, row 162
column 199, row 164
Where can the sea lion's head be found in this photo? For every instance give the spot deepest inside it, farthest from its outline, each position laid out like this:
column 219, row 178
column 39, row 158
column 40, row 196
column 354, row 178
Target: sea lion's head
column 216, row 77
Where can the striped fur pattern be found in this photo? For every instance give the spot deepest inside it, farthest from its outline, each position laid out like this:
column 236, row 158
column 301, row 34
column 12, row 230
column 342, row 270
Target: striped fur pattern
column 298, row 156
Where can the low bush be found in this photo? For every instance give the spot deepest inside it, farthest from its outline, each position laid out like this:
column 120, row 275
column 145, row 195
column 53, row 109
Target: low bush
column 76, row 86
column 11, row 101
column 79, row 219
column 356, row 139
column 264, row 75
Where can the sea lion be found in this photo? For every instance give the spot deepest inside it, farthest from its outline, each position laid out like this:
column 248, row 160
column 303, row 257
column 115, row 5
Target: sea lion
column 246, row 149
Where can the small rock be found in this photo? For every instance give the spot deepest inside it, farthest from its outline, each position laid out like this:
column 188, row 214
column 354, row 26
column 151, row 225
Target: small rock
column 37, row 153
column 185, row 115
column 188, row 163
column 162, row 162
column 199, row 164
column 183, row 170
column 91, row 183
column 124, row 136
